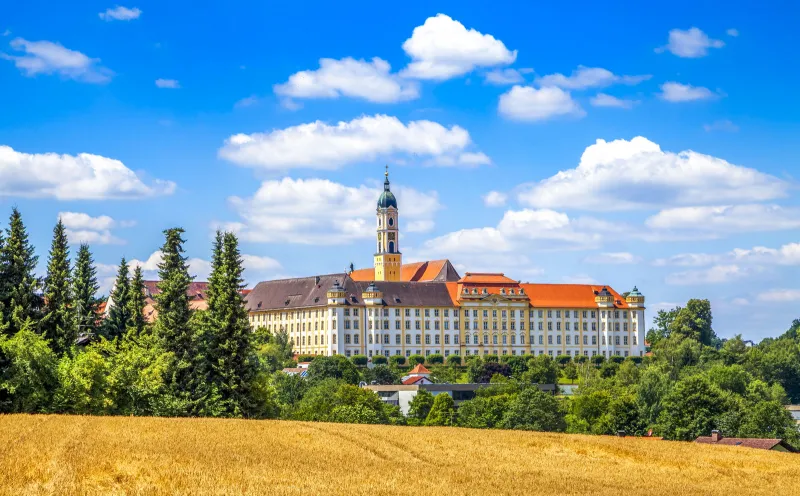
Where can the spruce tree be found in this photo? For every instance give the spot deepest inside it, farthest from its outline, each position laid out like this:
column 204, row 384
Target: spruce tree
column 172, row 304
column 136, row 303
column 58, row 323
column 18, row 284
column 230, row 350
column 119, row 301
column 84, row 289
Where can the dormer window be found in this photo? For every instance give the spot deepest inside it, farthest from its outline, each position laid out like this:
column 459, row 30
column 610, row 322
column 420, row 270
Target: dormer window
column 485, row 291
column 503, row 291
column 511, row 291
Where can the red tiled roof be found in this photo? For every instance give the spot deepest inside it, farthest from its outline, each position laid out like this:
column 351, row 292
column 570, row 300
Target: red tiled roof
column 568, row 295
column 433, row 269
column 766, row 444
column 412, row 272
column 413, row 380
column 419, row 369
column 487, row 278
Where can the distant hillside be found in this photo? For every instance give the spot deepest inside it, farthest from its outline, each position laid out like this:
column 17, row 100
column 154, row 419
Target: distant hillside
column 119, row 455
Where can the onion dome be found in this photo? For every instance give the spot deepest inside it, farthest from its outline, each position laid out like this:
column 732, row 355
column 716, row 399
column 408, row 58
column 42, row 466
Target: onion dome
column 387, row 198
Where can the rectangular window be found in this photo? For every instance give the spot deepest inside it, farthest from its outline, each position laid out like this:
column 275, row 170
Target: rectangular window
column 396, row 325
column 585, row 339
column 427, row 312
column 346, row 339
column 396, row 312
column 355, row 338
column 408, row 338
column 616, row 340
column 408, row 312
column 594, row 326
column 558, row 314
column 455, row 339
column 427, row 339
column 417, row 339
column 485, row 326
column 568, row 339
column 558, row 325
column 541, row 339
column 347, row 324
column 436, row 325
column 625, row 340
column 427, row 325
column 346, row 312
column 593, row 314
column 385, row 339
column 584, row 326
column 417, row 325
column 584, row 314
column 485, row 339
column 436, row 339
column 397, row 339
column 447, row 312
column 558, row 339
column 416, row 312
column 446, row 339
column 549, row 339
column 456, row 326
column 549, row 314
column 625, row 326
column 541, row 312
column 385, row 325
column 435, row 312
column 446, row 325
column 566, row 327
column 550, row 326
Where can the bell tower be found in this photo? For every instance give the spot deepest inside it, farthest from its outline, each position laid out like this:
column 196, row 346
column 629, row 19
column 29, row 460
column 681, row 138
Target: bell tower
column 388, row 258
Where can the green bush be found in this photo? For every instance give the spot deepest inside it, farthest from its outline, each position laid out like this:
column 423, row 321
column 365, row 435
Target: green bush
column 435, row 359
column 598, row 360
column 397, row 360
column 416, row 360
column 581, row 359
column 360, row 360
column 305, row 358
column 379, row 360
column 563, row 359
column 453, row 360
column 616, row 359
column 636, row 359
column 490, row 359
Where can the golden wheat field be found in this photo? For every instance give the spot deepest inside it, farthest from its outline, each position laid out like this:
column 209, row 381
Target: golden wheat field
column 117, row 455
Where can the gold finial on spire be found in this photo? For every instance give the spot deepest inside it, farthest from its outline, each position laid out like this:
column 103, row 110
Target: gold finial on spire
column 387, row 170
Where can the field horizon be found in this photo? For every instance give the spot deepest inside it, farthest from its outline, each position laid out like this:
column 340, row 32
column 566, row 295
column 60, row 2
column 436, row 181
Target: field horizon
column 60, row 454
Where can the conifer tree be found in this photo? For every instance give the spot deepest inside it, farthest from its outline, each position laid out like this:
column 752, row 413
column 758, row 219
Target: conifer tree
column 85, row 287
column 136, row 303
column 58, row 323
column 230, row 350
column 18, row 284
column 172, row 304
column 119, row 301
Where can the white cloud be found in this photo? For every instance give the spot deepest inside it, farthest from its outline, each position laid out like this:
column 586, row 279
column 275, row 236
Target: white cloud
column 579, row 279
column 780, row 295
column 788, row 254
column 525, row 103
column 716, row 274
column 504, row 76
column 733, row 32
column 322, row 212
column 246, row 102
column 200, row 269
column 371, row 81
column 318, row 145
column 83, row 228
column 495, row 199
column 119, row 13
column 616, row 258
column 604, row 100
column 625, row 175
column 442, row 48
column 72, row 177
column 46, row 57
column 168, row 83
column 727, row 219
column 677, row 92
column 589, row 77
column 688, row 260
column 691, row 43
column 721, row 125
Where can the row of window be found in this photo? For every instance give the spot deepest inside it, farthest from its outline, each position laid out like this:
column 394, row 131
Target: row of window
column 377, row 312
column 468, row 352
column 504, row 339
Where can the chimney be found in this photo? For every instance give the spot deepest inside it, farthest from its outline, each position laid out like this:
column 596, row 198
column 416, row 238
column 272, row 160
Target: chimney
column 715, row 436
column 316, row 280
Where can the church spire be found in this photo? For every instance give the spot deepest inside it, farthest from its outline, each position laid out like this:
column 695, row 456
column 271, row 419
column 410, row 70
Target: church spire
column 388, row 258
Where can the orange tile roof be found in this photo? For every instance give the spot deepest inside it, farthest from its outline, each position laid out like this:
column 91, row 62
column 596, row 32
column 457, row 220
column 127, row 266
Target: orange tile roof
column 433, row 269
column 486, row 278
column 412, row 271
column 413, row 380
column 453, row 288
column 568, row 295
column 363, row 275
column 419, row 369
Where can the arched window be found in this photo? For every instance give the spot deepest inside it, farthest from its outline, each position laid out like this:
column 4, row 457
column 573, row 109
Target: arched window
column 391, row 246
column 391, row 221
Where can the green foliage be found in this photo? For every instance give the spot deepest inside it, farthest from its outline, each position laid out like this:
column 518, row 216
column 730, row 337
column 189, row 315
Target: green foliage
column 581, row 359
column 305, row 358
column 616, row 359
column 453, row 360
column 354, row 414
column 119, row 315
column 360, row 360
column 333, row 367
column 541, row 370
column 29, row 378
column 484, row 412
column 84, row 290
column 563, row 359
column 18, row 283
column 491, row 358
column 598, row 360
column 380, row 374
column 482, row 372
column 692, row 408
column 416, row 360
column 397, row 360
column 58, row 323
column 442, row 412
column 379, row 360
column 435, row 359
column 420, row 406
column 136, row 303
column 533, row 410
column 571, row 371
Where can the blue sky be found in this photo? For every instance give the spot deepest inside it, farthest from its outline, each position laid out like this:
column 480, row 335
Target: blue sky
column 276, row 122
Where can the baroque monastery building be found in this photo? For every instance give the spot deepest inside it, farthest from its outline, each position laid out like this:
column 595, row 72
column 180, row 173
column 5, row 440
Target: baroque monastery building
column 427, row 307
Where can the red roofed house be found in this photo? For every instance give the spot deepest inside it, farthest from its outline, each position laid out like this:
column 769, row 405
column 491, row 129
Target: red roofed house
column 418, row 375
column 757, row 443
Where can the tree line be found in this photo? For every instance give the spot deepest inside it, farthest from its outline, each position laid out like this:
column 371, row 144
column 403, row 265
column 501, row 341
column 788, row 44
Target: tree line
column 210, row 363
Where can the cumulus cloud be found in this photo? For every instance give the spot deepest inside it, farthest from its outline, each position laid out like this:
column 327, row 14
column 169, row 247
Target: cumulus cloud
column 721, row 125
column 615, row 258
column 677, row 92
column 46, row 57
column 691, row 43
column 442, row 48
column 120, row 13
column 168, row 83
column 716, row 274
column 780, row 295
column 83, row 228
column 254, row 266
column 319, row 145
column 502, row 77
column 625, row 175
column 589, row 77
column 371, row 81
column 246, row 102
column 788, row 254
column 728, row 218
column 579, row 279
column 72, row 177
column 732, row 32
column 322, row 212
column 604, row 100
column 526, row 103
column 495, row 199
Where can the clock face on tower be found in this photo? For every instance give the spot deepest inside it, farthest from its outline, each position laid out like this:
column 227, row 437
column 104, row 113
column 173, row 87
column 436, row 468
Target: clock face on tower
column 391, row 236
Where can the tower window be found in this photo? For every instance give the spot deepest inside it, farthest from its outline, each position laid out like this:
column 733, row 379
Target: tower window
column 391, row 246
column 391, row 221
